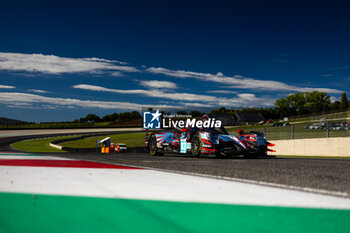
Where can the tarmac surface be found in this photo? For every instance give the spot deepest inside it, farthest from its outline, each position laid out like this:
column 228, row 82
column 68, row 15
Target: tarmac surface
column 323, row 175
column 331, row 175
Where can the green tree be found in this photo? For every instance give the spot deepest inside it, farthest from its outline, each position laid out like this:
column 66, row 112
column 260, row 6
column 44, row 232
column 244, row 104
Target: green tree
column 303, row 103
column 181, row 113
column 335, row 105
column 220, row 111
column 317, row 101
column 91, row 118
column 282, row 107
column 344, row 103
column 125, row 116
column 111, row 117
column 135, row 115
column 195, row 113
column 297, row 103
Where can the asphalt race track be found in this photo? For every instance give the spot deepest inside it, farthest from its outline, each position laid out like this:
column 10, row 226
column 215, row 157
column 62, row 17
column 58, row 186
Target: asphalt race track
column 135, row 192
column 320, row 175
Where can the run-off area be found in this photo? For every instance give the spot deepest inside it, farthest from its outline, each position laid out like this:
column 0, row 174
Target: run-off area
column 57, row 198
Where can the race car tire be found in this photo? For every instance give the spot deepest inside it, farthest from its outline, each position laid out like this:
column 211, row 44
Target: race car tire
column 196, row 145
column 152, row 146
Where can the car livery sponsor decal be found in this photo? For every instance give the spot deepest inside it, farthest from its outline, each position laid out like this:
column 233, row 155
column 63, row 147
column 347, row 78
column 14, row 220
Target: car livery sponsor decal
column 158, row 120
column 183, row 146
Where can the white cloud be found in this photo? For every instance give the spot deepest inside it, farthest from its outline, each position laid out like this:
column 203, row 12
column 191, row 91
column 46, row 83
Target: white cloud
column 237, row 81
column 247, row 96
column 328, row 90
column 159, row 84
column 196, row 105
column 222, row 92
column 117, row 74
column 6, row 87
column 243, row 99
column 38, row 91
column 21, row 105
column 24, row 100
column 151, row 93
column 51, row 64
column 104, row 60
column 98, row 88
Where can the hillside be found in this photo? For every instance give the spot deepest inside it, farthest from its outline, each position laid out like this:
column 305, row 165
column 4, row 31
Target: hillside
column 7, row 121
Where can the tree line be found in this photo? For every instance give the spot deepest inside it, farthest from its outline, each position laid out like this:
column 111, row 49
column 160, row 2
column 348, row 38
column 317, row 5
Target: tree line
column 292, row 105
column 309, row 103
column 114, row 117
column 295, row 105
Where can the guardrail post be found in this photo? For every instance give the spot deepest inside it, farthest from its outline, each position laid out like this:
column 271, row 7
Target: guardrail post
column 292, row 134
column 327, row 129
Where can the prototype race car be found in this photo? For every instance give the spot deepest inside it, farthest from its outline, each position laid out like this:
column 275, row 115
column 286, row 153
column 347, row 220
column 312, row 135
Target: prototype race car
column 215, row 141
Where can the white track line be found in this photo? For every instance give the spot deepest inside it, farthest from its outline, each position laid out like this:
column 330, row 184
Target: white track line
column 263, row 183
column 32, row 157
column 14, row 153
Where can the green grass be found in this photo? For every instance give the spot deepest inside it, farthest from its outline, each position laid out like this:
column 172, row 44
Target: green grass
column 130, row 139
column 42, row 144
column 38, row 145
column 70, row 125
column 56, row 125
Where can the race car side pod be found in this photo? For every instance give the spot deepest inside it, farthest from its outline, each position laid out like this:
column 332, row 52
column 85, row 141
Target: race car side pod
column 271, row 145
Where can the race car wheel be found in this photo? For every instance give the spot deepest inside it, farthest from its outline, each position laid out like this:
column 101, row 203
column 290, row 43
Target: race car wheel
column 196, row 145
column 152, row 145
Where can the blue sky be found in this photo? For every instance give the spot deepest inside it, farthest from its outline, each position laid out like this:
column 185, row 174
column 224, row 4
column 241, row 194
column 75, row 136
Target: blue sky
column 62, row 60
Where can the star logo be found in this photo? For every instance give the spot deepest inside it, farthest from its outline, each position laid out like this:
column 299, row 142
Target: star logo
column 151, row 120
column 156, row 115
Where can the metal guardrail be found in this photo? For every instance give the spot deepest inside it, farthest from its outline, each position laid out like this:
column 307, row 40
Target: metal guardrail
column 282, row 131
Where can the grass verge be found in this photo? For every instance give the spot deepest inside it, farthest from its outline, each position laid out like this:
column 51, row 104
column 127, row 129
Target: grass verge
column 38, row 145
column 57, row 125
column 130, row 139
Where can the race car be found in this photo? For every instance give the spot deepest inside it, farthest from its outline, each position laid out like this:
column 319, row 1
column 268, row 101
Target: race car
column 215, row 141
